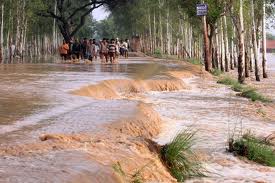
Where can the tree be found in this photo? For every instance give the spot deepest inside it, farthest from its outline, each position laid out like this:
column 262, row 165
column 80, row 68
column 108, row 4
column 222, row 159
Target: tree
column 71, row 14
column 254, row 40
column 106, row 29
column 264, row 40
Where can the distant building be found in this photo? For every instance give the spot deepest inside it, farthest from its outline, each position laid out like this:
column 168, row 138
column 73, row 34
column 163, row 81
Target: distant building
column 270, row 46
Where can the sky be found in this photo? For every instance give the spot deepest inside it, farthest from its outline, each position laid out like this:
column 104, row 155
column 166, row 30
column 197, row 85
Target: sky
column 100, row 14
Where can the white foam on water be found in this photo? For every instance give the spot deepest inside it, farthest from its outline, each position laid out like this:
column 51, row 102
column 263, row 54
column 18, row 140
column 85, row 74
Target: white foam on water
column 214, row 112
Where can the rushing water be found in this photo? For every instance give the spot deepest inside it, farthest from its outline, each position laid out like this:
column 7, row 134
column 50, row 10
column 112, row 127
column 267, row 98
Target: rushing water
column 35, row 99
column 215, row 115
column 36, row 95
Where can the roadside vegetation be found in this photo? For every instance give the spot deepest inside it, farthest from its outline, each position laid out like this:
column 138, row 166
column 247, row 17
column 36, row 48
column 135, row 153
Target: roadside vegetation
column 136, row 177
column 216, row 72
column 180, row 159
column 253, row 148
column 194, row 61
column 159, row 54
column 244, row 91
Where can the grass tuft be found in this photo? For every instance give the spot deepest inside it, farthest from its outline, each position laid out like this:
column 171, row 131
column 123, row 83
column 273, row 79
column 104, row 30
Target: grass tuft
column 216, row 72
column 254, row 149
column 254, row 95
column 194, row 61
column 245, row 91
column 179, row 157
column 136, row 177
column 228, row 81
column 118, row 169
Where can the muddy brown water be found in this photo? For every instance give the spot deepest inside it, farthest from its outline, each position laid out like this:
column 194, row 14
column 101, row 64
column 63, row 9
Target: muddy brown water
column 38, row 94
column 37, row 99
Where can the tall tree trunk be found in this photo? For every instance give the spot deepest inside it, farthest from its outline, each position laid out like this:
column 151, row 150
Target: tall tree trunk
column 191, row 41
column 168, row 34
column 255, row 46
column 206, row 46
column 264, row 41
column 226, row 44
column 232, row 58
column 154, row 33
column 222, row 50
column 251, row 56
column 247, row 61
column 2, row 34
column 150, row 33
column 235, row 55
column 54, row 29
column 217, row 50
column 241, row 76
column 161, row 33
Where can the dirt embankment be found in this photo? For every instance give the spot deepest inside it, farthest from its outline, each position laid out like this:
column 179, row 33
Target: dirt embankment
column 124, row 144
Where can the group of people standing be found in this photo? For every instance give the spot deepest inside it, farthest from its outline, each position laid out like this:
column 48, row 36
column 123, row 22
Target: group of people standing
column 107, row 50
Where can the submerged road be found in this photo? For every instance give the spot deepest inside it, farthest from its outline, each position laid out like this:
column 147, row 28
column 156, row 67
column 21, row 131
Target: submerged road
column 37, row 99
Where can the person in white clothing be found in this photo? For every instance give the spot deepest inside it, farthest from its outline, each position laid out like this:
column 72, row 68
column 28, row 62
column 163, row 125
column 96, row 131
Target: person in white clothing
column 125, row 48
column 12, row 50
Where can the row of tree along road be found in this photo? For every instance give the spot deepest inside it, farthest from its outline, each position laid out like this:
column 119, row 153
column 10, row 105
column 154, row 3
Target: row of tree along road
column 231, row 35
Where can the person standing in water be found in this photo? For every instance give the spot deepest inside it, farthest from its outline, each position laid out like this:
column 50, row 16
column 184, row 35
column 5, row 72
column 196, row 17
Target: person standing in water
column 104, row 50
column 63, row 50
column 84, row 48
column 125, row 48
column 94, row 49
column 112, row 51
column 76, row 49
column 117, row 48
column 90, row 50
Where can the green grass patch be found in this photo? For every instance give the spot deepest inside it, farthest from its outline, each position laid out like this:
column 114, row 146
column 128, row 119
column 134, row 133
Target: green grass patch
column 228, row 81
column 194, row 61
column 252, row 94
column 244, row 91
column 237, row 87
column 216, row 72
column 179, row 157
column 254, row 149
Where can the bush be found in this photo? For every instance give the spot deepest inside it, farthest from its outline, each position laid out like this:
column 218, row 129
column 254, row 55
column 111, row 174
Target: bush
column 179, row 157
column 245, row 91
column 158, row 53
column 254, row 149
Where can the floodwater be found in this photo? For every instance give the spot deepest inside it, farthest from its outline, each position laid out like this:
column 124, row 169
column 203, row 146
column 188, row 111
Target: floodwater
column 216, row 116
column 36, row 99
column 37, row 96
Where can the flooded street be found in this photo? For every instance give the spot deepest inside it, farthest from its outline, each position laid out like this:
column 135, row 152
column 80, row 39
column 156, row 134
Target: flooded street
column 93, row 116
column 36, row 95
